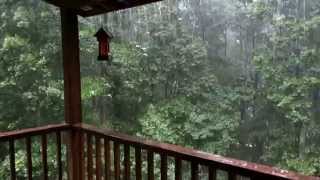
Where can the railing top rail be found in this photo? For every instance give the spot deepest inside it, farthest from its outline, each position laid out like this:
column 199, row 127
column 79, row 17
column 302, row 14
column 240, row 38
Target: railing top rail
column 16, row 134
column 228, row 164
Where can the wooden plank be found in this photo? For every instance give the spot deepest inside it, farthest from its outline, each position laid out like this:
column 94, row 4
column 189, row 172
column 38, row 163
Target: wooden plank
column 59, row 157
column 114, row 7
column 12, row 160
column 243, row 168
column 240, row 167
column 107, row 160
column 98, row 158
column 164, row 167
column 72, row 90
column 71, row 66
column 177, row 171
column 81, row 143
column 75, row 155
column 44, row 156
column 94, row 7
column 232, row 176
column 116, row 150
column 29, row 157
column 17, row 134
column 150, row 165
column 194, row 171
column 138, row 163
column 89, row 157
column 127, row 163
column 212, row 173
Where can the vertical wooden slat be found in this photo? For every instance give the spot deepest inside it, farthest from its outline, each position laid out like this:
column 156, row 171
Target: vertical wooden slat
column 164, row 167
column 126, row 162
column 194, row 171
column 29, row 158
column 212, row 173
column 44, row 156
column 177, row 170
column 138, row 163
column 107, row 159
column 89, row 157
column 59, row 159
column 98, row 158
column 150, row 165
column 81, row 155
column 232, row 176
column 12, row 159
column 116, row 147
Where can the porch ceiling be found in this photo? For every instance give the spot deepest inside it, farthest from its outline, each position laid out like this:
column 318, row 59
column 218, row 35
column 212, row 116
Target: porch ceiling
column 87, row 8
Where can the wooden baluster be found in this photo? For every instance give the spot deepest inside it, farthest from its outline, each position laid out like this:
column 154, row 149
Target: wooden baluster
column 116, row 150
column 194, row 171
column 44, row 156
column 89, row 157
column 98, row 158
column 81, row 154
column 212, row 173
column 164, row 167
column 107, row 159
column 255, row 177
column 177, row 171
column 150, row 165
column 138, row 163
column 29, row 158
column 59, row 159
column 126, row 162
column 12, row 159
column 232, row 176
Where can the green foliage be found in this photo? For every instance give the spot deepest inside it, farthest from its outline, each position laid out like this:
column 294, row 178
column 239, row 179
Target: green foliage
column 28, row 84
column 210, row 127
column 93, row 87
column 157, row 123
column 288, row 66
column 309, row 166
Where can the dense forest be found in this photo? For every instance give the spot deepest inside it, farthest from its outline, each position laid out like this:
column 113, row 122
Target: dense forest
column 239, row 78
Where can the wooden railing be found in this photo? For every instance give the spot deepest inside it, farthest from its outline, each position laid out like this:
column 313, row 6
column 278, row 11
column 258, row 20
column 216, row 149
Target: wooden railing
column 110, row 155
column 28, row 137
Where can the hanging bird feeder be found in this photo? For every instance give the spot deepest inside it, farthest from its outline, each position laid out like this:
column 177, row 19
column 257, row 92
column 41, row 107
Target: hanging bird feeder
column 104, row 38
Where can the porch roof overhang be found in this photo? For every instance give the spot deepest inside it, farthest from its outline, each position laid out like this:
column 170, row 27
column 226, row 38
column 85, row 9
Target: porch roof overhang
column 86, row 8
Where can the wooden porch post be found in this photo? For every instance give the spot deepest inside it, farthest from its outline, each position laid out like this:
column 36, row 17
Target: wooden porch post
column 72, row 91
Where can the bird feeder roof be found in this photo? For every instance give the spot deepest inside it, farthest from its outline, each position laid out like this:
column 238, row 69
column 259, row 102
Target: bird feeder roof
column 103, row 33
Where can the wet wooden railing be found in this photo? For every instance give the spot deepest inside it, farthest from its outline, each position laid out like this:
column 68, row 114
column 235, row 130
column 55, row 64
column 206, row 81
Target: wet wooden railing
column 110, row 155
column 29, row 137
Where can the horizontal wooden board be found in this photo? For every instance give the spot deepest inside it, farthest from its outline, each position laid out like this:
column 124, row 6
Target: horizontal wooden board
column 87, row 8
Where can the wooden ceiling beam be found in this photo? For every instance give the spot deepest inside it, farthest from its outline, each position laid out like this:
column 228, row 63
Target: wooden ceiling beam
column 72, row 4
column 87, row 8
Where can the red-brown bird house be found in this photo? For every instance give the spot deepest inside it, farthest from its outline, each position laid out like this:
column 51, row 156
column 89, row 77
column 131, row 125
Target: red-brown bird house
column 104, row 38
